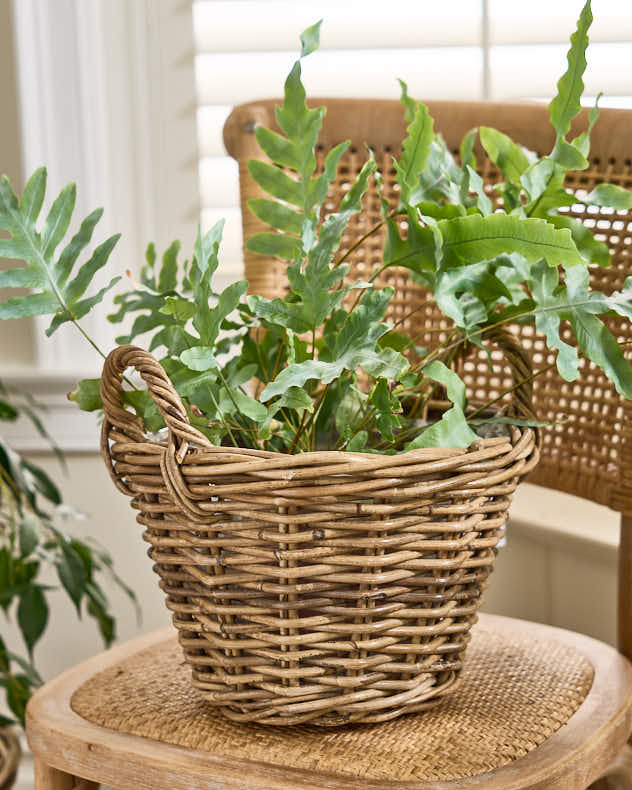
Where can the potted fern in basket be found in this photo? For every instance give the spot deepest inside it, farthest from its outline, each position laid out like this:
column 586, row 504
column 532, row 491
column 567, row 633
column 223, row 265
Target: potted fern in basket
column 321, row 500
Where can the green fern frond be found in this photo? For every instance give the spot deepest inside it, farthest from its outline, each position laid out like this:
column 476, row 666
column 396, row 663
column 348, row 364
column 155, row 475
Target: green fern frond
column 56, row 286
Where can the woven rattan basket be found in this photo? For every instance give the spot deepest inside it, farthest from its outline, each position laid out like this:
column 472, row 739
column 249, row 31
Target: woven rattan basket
column 324, row 587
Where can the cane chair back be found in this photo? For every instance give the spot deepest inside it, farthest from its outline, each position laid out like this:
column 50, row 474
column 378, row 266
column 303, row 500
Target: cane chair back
column 588, row 451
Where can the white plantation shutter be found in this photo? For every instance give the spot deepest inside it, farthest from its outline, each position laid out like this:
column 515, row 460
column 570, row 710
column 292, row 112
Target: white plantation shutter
column 458, row 49
column 528, row 48
column 245, row 49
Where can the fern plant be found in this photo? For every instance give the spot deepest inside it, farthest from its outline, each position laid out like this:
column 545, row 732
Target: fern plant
column 320, row 367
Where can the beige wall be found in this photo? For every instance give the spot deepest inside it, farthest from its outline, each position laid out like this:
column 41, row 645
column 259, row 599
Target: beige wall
column 16, row 337
column 558, row 586
column 559, row 565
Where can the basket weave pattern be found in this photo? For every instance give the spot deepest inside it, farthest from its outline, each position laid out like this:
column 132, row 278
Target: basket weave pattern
column 327, row 587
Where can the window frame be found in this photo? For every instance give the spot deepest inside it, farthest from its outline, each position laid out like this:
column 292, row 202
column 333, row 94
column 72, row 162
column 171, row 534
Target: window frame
column 106, row 90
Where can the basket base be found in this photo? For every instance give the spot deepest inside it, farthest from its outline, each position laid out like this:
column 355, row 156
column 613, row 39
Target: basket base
column 341, row 720
column 425, row 691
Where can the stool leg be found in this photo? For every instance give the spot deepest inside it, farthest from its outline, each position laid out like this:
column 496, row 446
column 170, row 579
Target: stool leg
column 47, row 778
column 619, row 775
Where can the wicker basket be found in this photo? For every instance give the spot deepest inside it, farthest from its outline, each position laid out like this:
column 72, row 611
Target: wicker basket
column 324, row 587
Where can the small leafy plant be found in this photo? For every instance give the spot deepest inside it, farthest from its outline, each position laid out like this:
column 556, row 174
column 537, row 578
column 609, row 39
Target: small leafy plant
column 32, row 542
column 320, row 367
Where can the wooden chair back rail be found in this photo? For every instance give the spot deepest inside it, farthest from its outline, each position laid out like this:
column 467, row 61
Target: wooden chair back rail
column 590, row 454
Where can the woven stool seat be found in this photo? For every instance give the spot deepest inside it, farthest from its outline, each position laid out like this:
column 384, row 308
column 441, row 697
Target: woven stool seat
column 534, row 702
column 514, row 695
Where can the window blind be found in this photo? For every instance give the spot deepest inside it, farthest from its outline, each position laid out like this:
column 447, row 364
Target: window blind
column 527, row 49
column 458, row 49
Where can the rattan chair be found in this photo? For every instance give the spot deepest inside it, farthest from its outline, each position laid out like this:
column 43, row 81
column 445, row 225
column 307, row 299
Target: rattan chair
column 539, row 707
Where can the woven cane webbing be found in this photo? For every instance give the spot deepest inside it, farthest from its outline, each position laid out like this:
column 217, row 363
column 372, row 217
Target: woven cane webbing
column 589, row 451
column 516, row 693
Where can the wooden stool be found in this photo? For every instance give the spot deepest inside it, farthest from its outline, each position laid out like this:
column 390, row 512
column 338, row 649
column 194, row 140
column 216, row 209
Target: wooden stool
column 539, row 707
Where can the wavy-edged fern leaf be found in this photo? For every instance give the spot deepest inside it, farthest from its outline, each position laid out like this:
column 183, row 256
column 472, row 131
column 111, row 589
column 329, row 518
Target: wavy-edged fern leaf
column 609, row 196
column 294, row 211
column 415, row 146
column 566, row 103
column 58, row 288
column 473, row 238
column 476, row 238
column 511, row 159
column 589, row 247
column 575, row 302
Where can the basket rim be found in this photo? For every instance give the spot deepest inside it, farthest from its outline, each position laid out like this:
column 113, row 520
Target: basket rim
column 365, row 461
column 188, row 444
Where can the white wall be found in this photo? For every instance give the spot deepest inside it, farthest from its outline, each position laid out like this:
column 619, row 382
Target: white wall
column 559, row 565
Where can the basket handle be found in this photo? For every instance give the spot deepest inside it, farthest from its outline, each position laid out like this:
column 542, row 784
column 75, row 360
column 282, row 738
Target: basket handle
column 521, row 370
column 161, row 390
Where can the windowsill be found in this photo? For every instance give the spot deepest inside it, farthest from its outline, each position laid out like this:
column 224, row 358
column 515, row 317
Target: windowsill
column 72, row 429
column 34, row 378
column 565, row 522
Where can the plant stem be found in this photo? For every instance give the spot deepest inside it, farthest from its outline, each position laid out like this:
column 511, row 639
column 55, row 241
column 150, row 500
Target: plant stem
column 277, row 362
column 524, row 381
column 298, row 433
column 234, row 402
column 361, row 241
column 411, row 313
column 511, row 389
column 88, row 338
column 261, row 364
column 315, row 414
column 306, row 425
column 440, row 350
column 372, row 279
column 267, row 380
column 222, row 418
